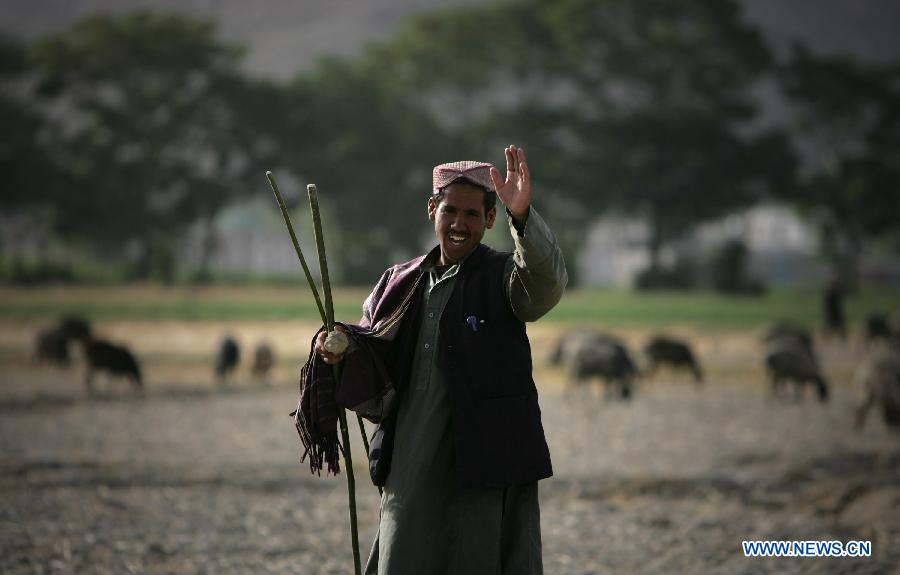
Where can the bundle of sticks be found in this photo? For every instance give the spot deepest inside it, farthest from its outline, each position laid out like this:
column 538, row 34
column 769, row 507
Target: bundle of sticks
column 326, row 454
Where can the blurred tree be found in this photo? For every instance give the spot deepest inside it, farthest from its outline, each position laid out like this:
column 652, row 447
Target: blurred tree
column 729, row 269
column 351, row 133
column 155, row 127
column 28, row 178
column 848, row 130
column 25, row 169
column 640, row 107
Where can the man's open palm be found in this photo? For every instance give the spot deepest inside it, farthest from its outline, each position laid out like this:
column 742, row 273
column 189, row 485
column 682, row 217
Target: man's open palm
column 515, row 192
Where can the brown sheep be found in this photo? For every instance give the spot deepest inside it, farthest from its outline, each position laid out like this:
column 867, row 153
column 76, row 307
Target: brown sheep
column 789, row 360
column 880, row 376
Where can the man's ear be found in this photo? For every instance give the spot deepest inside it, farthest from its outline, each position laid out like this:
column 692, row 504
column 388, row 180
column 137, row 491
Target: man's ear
column 432, row 208
column 489, row 221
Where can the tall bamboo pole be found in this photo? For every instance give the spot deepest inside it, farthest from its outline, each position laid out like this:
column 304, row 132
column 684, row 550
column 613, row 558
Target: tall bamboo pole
column 335, row 369
column 312, row 284
column 290, row 228
column 328, row 320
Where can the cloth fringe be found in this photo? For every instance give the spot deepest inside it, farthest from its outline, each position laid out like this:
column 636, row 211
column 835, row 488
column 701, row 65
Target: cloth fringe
column 316, row 416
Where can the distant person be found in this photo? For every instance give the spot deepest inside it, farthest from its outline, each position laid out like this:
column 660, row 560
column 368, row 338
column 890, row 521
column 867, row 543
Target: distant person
column 833, row 300
column 460, row 457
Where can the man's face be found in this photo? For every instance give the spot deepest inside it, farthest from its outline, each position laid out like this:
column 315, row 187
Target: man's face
column 459, row 220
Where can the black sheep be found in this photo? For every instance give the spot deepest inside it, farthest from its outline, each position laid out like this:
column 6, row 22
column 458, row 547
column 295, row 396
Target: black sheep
column 674, row 352
column 52, row 345
column 788, row 330
column 227, row 358
column 113, row 359
column 572, row 340
column 76, row 328
column 786, row 333
column 606, row 359
column 787, row 360
column 877, row 327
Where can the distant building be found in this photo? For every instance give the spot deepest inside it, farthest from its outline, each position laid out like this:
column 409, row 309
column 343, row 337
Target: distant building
column 782, row 246
column 251, row 240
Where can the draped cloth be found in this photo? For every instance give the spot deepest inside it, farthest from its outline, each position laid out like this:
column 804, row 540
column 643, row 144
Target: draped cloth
column 366, row 385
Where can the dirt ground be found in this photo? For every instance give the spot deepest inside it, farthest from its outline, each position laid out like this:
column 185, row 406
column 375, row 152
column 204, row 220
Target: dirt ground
column 191, row 477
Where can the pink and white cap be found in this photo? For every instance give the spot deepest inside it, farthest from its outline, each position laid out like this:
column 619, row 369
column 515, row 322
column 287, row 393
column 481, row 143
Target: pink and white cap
column 478, row 173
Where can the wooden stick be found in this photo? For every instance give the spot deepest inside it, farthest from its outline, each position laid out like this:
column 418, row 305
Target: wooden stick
column 328, row 321
column 335, row 369
column 290, row 227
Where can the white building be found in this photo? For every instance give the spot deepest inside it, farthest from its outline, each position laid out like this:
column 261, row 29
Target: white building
column 783, row 247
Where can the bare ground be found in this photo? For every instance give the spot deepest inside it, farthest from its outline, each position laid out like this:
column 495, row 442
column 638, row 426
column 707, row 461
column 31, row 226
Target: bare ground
column 195, row 478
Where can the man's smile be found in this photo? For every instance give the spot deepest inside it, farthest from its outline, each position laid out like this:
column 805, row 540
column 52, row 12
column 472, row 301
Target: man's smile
column 457, row 238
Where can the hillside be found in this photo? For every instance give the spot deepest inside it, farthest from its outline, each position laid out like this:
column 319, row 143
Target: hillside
column 288, row 36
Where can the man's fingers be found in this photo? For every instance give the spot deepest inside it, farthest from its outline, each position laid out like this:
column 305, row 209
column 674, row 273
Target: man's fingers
column 320, row 347
column 520, row 155
column 511, row 159
column 495, row 178
column 320, row 350
column 329, row 357
column 523, row 167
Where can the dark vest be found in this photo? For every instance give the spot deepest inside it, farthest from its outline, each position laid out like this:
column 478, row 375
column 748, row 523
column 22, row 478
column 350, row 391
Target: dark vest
column 486, row 356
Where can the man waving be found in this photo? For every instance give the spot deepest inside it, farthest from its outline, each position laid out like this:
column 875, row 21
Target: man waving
column 460, row 455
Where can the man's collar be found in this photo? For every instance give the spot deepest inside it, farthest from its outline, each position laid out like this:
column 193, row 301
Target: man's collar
column 431, row 259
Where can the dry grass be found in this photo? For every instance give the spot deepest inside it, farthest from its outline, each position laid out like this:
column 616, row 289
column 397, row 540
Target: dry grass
column 192, row 477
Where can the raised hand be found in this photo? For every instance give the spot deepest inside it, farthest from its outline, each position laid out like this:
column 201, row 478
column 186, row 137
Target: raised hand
column 515, row 192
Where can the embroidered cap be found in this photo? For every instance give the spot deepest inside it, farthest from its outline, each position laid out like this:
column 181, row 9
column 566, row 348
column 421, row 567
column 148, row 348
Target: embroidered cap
column 478, row 173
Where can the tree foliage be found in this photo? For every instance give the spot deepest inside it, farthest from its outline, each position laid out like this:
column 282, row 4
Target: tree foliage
column 145, row 125
column 370, row 157
column 848, row 127
column 25, row 168
column 640, row 107
column 153, row 124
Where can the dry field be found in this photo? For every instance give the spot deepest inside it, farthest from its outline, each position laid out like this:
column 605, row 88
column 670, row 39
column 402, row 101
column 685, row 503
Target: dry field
column 191, row 477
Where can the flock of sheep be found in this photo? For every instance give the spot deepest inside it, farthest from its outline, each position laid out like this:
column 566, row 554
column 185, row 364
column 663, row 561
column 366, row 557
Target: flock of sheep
column 592, row 354
column 53, row 345
column 788, row 356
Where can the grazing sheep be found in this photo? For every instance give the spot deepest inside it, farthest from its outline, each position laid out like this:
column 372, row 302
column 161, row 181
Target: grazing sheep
column 263, row 360
column 52, row 345
column 114, row 359
column 786, row 329
column 76, row 328
column 877, row 327
column 571, row 341
column 894, row 322
column 674, row 352
column 606, row 359
column 227, row 358
column 880, row 377
column 788, row 360
column 783, row 332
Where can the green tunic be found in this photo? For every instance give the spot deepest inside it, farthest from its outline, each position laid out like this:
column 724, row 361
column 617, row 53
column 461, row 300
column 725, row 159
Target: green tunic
column 429, row 523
